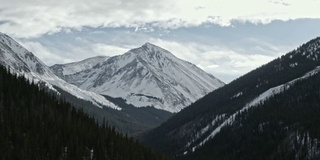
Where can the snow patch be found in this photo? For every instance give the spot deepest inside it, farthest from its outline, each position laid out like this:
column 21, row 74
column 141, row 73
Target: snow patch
column 205, row 130
column 237, row 95
column 293, row 65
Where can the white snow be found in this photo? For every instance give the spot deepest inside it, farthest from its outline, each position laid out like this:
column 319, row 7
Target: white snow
column 237, row 95
column 293, row 64
column 205, row 130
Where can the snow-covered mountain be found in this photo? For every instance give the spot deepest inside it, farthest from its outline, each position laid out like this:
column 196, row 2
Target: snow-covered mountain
column 22, row 62
column 144, row 76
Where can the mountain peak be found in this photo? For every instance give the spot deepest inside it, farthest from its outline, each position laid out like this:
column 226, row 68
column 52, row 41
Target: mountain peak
column 148, row 44
column 152, row 47
column 153, row 51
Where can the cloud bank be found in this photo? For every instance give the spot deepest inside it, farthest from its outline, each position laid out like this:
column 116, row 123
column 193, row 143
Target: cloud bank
column 33, row 18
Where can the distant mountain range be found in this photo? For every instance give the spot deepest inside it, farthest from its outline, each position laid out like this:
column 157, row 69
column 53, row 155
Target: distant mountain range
column 134, row 92
column 270, row 113
column 144, row 76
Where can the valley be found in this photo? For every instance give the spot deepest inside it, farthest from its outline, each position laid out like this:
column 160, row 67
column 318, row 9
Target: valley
column 170, row 105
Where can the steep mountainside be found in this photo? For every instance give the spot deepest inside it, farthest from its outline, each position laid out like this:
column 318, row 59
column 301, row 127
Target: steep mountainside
column 23, row 62
column 284, row 126
column 199, row 127
column 146, row 76
column 126, row 118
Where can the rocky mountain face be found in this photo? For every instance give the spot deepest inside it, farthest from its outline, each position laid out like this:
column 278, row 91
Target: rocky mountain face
column 269, row 113
column 144, row 76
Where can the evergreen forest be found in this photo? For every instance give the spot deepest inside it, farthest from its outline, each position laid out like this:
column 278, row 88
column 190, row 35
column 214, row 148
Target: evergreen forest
column 286, row 126
column 38, row 125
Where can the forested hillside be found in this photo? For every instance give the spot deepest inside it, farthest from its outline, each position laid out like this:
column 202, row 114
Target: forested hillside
column 37, row 125
column 286, row 126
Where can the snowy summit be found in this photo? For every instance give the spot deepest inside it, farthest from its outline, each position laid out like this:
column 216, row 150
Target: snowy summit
column 145, row 76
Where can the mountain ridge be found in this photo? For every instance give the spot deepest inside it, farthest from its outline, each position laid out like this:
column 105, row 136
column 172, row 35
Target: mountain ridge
column 23, row 62
column 69, row 68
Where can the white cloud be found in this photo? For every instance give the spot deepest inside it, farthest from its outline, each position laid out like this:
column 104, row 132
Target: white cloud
column 228, row 65
column 43, row 53
column 108, row 50
column 32, row 18
column 72, row 52
column 180, row 50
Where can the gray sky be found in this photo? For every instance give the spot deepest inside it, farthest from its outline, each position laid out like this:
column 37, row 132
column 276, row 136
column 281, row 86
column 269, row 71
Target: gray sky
column 225, row 38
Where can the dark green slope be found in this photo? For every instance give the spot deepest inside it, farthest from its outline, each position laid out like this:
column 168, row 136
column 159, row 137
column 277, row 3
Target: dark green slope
column 286, row 126
column 130, row 120
column 181, row 132
column 36, row 125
